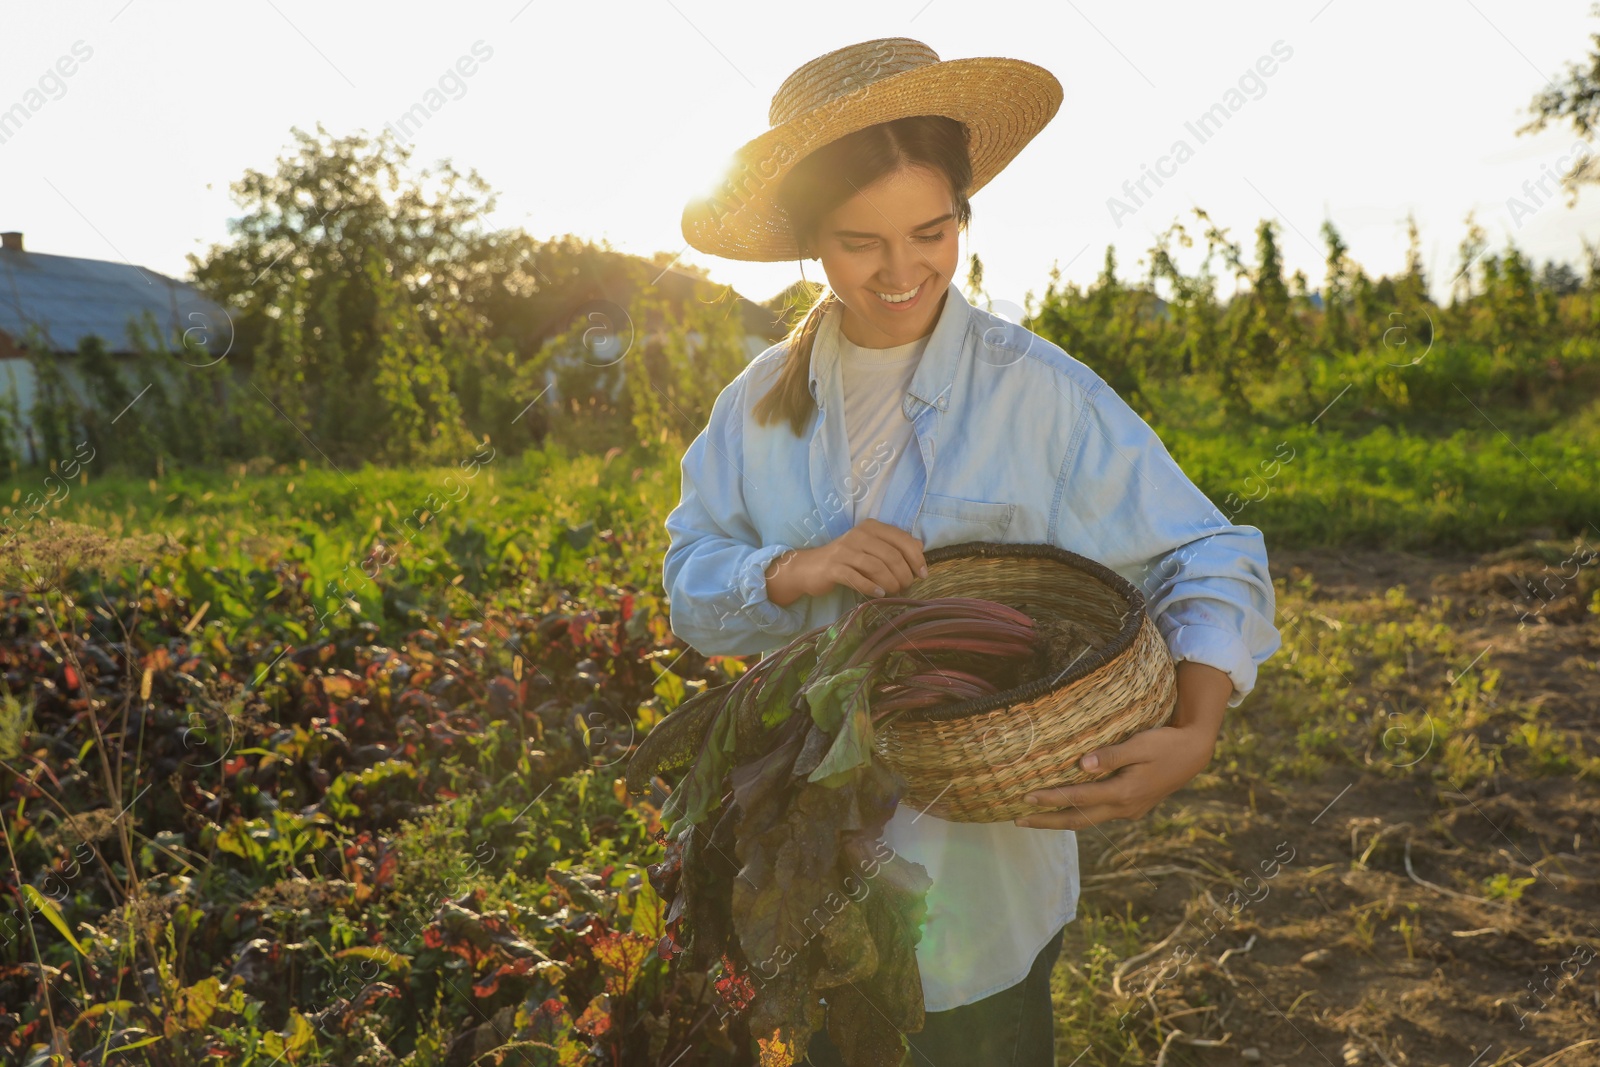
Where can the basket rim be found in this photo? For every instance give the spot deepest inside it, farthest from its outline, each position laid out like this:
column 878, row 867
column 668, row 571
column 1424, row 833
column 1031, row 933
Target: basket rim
column 1133, row 619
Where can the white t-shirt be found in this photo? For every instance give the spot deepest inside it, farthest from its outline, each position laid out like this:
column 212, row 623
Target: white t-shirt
column 875, row 383
column 1000, row 891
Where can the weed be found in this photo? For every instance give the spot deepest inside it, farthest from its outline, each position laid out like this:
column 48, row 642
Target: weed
column 1501, row 886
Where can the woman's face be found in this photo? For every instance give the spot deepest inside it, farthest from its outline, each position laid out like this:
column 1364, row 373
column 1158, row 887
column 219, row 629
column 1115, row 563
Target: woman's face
column 894, row 237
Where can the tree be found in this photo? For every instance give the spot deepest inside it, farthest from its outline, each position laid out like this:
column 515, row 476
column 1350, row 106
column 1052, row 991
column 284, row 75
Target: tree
column 1268, row 338
column 1197, row 315
column 420, row 416
column 1108, row 328
column 1413, row 285
column 1472, row 247
column 1562, row 279
column 293, row 277
column 1575, row 98
column 1337, row 335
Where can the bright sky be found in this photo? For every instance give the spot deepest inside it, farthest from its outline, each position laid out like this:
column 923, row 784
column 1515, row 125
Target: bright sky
column 600, row 119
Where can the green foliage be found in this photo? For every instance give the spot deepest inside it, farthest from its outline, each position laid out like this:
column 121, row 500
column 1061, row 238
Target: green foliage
column 390, row 326
column 420, row 418
column 16, row 718
column 481, row 849
column 379, row 289
column 11, row 417
column 1575, row 97
column 54, row 413
column 282, row 551
column 1501, row 886
column 644, row 376
column 117, row 418
column 314, row 222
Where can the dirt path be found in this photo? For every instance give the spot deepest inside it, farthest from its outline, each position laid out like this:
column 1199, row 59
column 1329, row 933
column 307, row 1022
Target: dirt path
column 1388, row 909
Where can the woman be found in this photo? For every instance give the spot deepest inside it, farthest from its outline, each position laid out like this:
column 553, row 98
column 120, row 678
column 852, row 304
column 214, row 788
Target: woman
column 897, row 418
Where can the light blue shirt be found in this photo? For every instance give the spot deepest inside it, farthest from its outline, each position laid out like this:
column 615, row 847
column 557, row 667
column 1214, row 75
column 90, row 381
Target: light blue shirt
column 1014, row 441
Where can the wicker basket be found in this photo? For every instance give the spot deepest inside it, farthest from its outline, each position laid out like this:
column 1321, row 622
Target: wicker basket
column 975, row 760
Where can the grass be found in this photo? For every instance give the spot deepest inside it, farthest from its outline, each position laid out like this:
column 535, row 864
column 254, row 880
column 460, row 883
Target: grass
column 1384, row 686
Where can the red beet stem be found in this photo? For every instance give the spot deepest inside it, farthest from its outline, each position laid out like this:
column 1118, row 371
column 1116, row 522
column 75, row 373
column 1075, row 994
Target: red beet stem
column 909, row 700
column 948, row 676
column 911, row 637
column 998, row 645
column 954, row 689
column 910, row 629
column 989, row 608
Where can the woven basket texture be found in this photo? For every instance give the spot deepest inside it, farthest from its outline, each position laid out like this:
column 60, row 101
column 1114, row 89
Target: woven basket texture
column 975, row 760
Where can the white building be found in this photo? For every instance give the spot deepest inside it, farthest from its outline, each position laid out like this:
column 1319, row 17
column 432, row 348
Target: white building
column 56, row 301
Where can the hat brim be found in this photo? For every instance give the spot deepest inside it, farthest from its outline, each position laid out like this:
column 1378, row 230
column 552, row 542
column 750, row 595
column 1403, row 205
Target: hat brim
column 1003, row 102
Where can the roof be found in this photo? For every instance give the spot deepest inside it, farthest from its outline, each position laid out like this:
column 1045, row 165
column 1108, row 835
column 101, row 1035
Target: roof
column 70, row 298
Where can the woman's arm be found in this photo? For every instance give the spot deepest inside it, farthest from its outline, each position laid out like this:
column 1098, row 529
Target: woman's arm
column 1205, row 582
column 714, row 567
column 1205, row 579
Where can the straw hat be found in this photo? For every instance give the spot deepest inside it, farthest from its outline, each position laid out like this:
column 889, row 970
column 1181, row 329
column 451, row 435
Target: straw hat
column 1003, row 102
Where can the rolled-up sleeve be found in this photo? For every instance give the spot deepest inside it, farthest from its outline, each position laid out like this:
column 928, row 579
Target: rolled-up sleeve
column 715, row 564
column 1205, row 579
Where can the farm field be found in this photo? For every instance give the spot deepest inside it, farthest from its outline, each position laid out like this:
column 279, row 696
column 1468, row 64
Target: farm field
column 310, row 783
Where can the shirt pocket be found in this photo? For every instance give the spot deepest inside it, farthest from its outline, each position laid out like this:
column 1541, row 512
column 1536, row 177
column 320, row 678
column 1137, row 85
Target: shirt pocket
column 951, row 520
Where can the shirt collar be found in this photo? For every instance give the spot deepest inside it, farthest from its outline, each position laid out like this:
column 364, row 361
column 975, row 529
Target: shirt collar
column 936, row 370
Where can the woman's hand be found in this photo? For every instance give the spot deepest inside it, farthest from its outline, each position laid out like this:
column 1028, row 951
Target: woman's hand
column 1149, row 765
column 874, row 559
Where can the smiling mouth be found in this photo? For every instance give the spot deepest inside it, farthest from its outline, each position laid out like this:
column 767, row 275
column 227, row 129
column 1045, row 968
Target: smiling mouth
column 900, row 298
